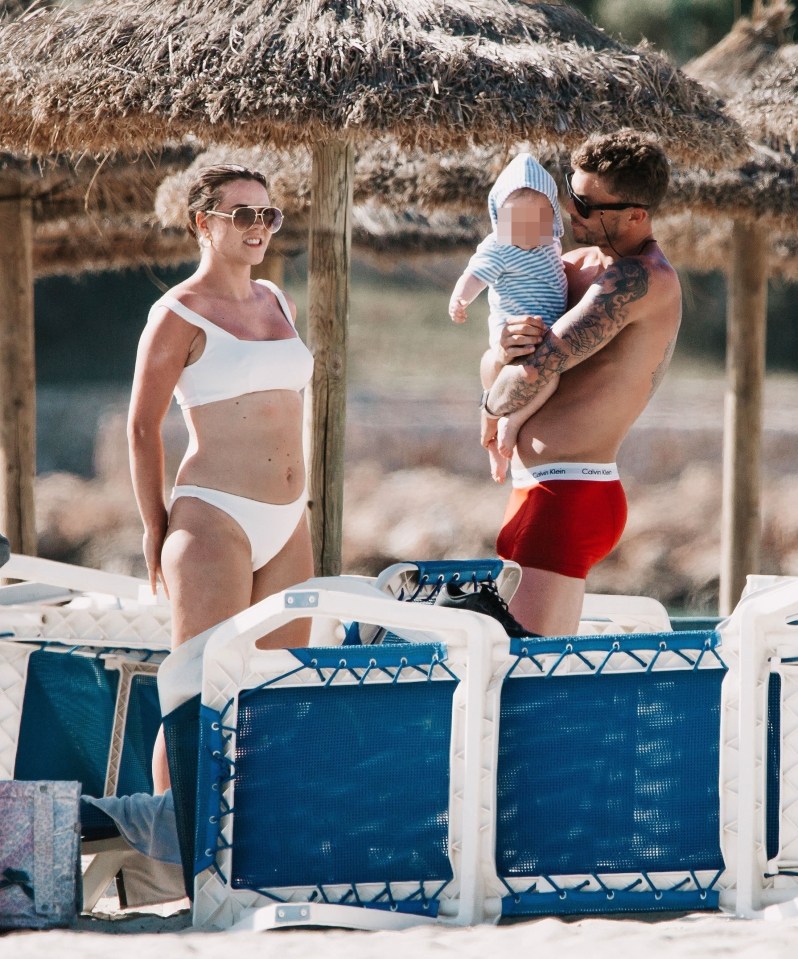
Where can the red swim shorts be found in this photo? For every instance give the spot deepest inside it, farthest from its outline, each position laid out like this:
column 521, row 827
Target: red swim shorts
column 563, row 525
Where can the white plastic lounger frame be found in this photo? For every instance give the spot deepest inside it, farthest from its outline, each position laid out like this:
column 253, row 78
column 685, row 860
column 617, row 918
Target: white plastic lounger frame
column 232, row 664
column 760, row 750
column 610, row 613
column 114, row 610
column 99, row 611
column 77, row 578
column 484, row 660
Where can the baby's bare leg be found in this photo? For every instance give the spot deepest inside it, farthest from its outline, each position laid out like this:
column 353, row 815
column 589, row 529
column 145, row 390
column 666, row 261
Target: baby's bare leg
column 498, row 463
column 508, row 431
column 509, row 426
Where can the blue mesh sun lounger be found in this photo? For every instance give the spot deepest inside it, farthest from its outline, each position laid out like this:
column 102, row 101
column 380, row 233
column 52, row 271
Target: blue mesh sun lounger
column 461, row 776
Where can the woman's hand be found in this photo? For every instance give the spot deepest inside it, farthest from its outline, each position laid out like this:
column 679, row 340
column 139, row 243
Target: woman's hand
column 153, row 545
column 520, row 336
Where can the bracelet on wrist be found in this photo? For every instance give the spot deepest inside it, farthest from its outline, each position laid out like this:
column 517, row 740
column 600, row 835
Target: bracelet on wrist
column 483, row 405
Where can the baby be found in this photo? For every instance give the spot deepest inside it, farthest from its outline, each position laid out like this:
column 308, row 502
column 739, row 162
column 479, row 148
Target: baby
column 520, row 261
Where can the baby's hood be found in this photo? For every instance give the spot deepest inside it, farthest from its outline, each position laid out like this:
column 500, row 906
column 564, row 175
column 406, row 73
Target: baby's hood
column 524, row 171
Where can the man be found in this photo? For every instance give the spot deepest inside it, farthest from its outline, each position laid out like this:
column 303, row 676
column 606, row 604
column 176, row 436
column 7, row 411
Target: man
column 610, row 350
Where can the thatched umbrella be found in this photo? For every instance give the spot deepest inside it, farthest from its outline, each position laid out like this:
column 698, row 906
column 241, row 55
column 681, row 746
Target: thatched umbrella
column 122, row 215
column 768, row 111
column 75, row 247
column 740, row 67
column 764, row 190
column 32, row 194
column 703, row 244
column 327, row 73
column 94, row 216
column 309, row 70
column 381, row 222
column 79, row 245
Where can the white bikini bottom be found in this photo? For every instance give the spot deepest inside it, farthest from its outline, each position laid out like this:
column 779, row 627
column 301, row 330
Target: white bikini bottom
column 267, row 526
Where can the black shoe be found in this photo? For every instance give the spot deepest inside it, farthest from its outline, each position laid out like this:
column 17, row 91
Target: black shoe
column 485, row 599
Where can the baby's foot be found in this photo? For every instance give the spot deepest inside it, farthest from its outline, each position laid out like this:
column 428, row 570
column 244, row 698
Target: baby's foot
column 506, row 436
column 498, row 464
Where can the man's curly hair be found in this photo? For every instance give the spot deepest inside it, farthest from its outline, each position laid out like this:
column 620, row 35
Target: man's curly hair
column 632, row 164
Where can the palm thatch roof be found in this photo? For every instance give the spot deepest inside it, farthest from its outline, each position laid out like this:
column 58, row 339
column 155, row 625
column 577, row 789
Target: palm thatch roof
column 60, row 186
column 91, row 215
column 730, row 68
column 703, row 244
column 765, row 189
column 755, row 69
column 769, row 111
column 454, row 181
column 288, row 71
column 72, row 247
column 742, row 66
column 112, row 187
column 378, row 232
column 75, row 246
column 133, row 215
column 457, row 182
column 378, row 227
column 11, row 8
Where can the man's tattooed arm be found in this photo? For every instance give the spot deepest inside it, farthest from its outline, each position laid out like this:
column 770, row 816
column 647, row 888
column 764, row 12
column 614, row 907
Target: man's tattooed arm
column 582, row 331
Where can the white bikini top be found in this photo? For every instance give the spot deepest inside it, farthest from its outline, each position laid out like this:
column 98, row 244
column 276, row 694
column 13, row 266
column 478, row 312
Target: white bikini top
column 231, row 367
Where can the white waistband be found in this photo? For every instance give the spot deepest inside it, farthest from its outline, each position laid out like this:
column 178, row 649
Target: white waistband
column 592, row 472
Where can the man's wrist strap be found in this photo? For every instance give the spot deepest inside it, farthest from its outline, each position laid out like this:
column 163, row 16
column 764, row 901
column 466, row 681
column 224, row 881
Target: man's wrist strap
column 483, row 405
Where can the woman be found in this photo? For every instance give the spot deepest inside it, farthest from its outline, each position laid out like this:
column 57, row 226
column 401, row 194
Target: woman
column 234, row 530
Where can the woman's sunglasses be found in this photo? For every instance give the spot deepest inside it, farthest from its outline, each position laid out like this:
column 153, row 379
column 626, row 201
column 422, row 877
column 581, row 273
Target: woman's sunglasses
column 584, row 209
column 245, row 217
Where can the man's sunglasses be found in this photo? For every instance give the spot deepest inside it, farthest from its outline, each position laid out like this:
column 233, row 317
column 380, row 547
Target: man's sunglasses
column 584, row 209
column 245, row 217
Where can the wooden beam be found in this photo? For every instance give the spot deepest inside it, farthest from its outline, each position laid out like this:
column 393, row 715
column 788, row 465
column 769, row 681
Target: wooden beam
column 746, row 321
column 17, row 369
column 328, row 319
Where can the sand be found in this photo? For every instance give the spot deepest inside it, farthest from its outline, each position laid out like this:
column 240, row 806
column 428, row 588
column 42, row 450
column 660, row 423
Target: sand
column 140, row 936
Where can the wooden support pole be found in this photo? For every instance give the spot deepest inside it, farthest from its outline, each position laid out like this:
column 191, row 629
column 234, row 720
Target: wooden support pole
column 746, row 322
column 17, row 369
column 328, row 318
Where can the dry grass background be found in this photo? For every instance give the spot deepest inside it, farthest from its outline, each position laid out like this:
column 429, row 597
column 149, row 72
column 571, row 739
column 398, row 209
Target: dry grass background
column 418, row 487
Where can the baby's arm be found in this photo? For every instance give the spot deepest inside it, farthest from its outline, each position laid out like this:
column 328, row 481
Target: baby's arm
column 465, row 291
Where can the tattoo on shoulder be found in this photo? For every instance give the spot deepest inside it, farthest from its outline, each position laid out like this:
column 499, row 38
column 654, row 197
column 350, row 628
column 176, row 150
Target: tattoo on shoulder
column 624, row 283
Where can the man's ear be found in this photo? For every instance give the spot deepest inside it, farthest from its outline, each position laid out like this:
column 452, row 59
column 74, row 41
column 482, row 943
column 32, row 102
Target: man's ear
column 637, row 214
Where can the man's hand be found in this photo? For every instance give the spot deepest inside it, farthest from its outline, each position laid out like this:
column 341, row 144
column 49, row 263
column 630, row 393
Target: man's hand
column 520, row 337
